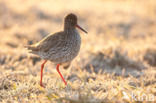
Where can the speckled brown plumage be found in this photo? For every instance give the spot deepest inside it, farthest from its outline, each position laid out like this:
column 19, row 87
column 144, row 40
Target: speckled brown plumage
column 61, row 47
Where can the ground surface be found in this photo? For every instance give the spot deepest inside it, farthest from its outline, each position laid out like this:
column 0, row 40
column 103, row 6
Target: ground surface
column 117, row 61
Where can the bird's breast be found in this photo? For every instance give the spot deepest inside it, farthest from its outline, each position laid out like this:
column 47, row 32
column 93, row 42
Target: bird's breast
column 67, row 49
column 74, row 44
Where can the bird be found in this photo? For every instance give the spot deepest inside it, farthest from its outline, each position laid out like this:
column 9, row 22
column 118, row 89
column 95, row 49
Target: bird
column 60, row 47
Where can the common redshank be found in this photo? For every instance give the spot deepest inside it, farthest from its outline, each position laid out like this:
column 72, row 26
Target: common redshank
column 61, row 47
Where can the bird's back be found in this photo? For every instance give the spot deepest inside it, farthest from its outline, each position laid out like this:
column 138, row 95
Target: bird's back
column 59, row 48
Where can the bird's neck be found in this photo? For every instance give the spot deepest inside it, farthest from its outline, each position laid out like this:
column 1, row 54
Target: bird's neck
column 68, row 26
column 69, row 29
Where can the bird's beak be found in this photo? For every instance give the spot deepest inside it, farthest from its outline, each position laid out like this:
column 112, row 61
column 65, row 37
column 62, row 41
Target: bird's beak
column 81, row 28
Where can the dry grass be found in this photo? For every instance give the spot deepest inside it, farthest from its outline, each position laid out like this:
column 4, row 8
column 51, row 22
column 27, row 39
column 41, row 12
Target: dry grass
column 117, row 57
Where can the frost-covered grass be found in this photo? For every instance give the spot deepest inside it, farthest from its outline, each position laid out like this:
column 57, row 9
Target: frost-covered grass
column 116, row 64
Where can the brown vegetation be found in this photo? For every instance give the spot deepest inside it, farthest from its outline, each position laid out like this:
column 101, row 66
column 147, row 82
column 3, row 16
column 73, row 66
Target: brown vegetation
column 117, row 56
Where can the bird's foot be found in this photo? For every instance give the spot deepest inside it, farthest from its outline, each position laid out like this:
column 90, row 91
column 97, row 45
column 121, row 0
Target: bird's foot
column 42, row 85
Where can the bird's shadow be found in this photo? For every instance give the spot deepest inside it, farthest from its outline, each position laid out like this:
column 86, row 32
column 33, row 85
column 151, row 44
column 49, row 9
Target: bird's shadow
column 114, row 62
column 150, row 56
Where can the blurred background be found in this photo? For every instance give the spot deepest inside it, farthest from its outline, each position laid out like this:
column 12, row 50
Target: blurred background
column 121, row 39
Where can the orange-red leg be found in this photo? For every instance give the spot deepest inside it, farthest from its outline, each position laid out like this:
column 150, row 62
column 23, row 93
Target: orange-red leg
column 42, row 66
column 60, row 74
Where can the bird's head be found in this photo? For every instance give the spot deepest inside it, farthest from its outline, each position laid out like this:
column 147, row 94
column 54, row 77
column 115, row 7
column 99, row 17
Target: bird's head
column 71, row 21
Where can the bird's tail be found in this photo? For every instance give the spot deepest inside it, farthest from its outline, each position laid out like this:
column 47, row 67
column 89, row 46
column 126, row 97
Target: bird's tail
column 31, row 48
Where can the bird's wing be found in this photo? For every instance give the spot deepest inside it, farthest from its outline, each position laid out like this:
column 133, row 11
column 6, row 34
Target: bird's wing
column 46, row 43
